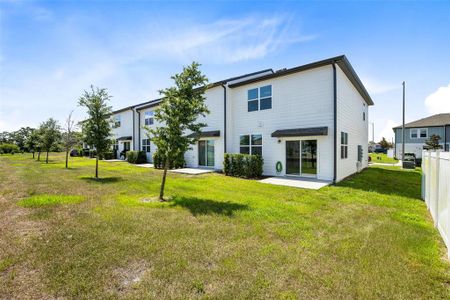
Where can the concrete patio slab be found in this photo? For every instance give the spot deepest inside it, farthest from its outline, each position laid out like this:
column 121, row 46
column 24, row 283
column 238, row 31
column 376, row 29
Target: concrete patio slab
column 192, row 171
column 304, row 183
column 145, row 165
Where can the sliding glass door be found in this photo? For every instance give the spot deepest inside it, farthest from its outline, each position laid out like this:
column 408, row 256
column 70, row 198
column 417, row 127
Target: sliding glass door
column 206, row 153
column 301, row 157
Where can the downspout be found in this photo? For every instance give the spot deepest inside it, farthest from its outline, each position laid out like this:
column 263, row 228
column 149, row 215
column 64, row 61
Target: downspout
column 139, row 129
column 224, row 119
column 134, row 129
column 335, row 122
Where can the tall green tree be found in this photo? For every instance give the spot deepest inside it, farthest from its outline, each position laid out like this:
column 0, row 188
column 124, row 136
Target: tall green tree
column 69, row 137
column 32, row 141
column 385, row 144
column 97, row 128
column 182, row 105
column 433, row 142
column 21, row 136
column 50, row 135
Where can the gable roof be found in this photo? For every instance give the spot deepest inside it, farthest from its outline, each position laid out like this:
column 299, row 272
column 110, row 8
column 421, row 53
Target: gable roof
column 341, row 61
column 432, row 121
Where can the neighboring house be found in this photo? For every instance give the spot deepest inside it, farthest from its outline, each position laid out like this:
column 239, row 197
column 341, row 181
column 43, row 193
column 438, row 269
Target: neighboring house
column 417, row 132
column 312, row 118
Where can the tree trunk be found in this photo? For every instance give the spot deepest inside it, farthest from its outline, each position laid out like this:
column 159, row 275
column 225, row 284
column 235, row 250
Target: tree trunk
column 96, row 166
column 163, row 183
column 39, row 155
column 33, row 154
column 46, row 158
column 67, row 158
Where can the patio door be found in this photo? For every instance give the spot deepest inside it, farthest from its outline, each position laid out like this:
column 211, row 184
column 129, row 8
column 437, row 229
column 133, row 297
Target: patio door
column 206, row 153
column 301, row 157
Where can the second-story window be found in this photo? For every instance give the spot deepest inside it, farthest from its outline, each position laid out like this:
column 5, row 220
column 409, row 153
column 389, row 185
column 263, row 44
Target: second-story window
column 117, row 121
column 344, row 145
column 259, row 98
column 148, row 117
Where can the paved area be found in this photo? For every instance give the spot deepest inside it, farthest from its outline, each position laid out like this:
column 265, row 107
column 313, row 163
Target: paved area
column 145, row 165
column 398, row 164
column 192, row 171
column 114, row 160
column 304, row 183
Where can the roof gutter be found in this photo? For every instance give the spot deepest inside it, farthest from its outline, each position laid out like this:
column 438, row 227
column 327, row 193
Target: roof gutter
column 335, row 122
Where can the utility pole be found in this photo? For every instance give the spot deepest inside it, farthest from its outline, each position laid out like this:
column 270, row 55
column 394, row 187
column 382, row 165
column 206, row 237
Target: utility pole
column 373, row 132
column 403, row 125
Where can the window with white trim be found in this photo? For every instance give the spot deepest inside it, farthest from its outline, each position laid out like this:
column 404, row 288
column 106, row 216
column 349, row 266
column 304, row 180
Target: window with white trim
column 423, row 133
column 117, row 121
column 259, row 98
column 146, row 145
column 148, row 117
column 250, row 144
column 344, row 145
column 418, row 133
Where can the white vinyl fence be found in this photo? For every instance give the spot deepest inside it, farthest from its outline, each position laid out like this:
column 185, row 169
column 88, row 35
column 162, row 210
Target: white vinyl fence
column 436, row 190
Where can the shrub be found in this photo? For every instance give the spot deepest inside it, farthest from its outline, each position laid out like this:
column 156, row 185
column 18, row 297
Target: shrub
column 136, row 157
column 176, row 164
column 9, row 148
column 243, row 165
column 109, row 155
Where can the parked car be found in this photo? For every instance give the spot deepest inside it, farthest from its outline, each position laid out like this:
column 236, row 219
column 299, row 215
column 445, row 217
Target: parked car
column 379, row 149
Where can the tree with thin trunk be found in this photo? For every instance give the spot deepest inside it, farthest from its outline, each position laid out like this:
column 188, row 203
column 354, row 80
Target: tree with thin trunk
column 97, row 128
column 69, row 137
column 32, row 141
column 178, row 112
column 50, row 135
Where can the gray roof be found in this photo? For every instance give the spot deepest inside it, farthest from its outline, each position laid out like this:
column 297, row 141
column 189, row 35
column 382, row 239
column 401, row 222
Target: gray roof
column 432, row 121
column 311, row 131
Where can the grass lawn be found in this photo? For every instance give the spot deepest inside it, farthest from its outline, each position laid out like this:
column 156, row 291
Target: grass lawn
column 63, row 234
column 382, row 158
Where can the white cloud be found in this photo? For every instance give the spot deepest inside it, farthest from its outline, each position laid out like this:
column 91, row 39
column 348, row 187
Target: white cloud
column 439, row 101
column 386, row 130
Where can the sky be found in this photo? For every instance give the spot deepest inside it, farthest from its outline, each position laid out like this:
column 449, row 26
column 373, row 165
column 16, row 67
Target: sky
column 51, row 51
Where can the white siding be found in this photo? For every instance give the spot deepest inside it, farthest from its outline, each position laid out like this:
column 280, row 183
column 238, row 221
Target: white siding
column 350, row 110
column 214, row 121
column 143, row 132
column 299, row 100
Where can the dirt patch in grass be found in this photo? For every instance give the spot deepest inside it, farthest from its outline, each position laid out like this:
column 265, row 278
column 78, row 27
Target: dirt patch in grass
column 128, row 277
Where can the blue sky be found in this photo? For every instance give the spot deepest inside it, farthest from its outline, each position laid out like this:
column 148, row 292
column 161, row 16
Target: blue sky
column 51, row 51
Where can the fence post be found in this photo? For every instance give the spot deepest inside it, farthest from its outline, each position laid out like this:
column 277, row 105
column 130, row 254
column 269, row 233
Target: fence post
column 438, row 162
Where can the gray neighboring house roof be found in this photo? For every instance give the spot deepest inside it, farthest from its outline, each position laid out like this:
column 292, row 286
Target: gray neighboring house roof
column 432, row 121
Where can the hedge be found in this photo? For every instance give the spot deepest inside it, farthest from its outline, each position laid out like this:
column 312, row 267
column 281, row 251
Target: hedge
column 176, row 164
column 9, row 148
column 136, row 157
column 243, row 165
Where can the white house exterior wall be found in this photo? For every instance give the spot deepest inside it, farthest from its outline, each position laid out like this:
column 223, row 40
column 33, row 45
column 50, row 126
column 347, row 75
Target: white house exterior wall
column 214, row 121
column 350, row 108
column 299, row 100
column 125, row 129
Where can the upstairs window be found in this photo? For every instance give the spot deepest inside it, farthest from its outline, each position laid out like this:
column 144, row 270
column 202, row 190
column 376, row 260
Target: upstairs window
column 259, row 98
column 146, row 145
column 423, row 133
column 344, row 145
column 117, row 121
column 413, row 133
column 148, row 117
column 251, row 144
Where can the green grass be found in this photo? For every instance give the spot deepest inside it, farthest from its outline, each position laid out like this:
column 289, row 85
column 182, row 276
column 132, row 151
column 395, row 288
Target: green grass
column 218, row 237
column 382, row 158
column 43, row 200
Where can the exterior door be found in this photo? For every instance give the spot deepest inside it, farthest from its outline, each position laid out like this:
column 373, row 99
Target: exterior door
column 301, row 157
column 206, row 153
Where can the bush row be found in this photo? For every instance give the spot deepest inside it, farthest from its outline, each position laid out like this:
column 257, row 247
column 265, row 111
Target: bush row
column 158, row 162
column 9, row 148
column 243, row 165
column 136, row 157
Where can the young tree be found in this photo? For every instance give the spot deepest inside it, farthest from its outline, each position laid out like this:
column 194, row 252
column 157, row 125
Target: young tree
column 32, row 141
column 385, row 144
column 69, row 137
column 182, row 105
column 97, row 128
column 50, row 135
column 433, row 142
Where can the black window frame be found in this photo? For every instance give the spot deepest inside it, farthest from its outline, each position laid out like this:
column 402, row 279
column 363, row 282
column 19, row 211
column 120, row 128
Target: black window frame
column 255, row 103
column 251, row 146
column 146, row 145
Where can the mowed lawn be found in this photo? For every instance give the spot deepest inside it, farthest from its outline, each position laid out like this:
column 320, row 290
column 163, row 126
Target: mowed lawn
column 63, row 234
column 382, row 158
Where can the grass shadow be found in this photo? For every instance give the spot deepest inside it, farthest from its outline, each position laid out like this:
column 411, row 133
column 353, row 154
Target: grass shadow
column 393, row 182
column 102, row 180
column 199, row 206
